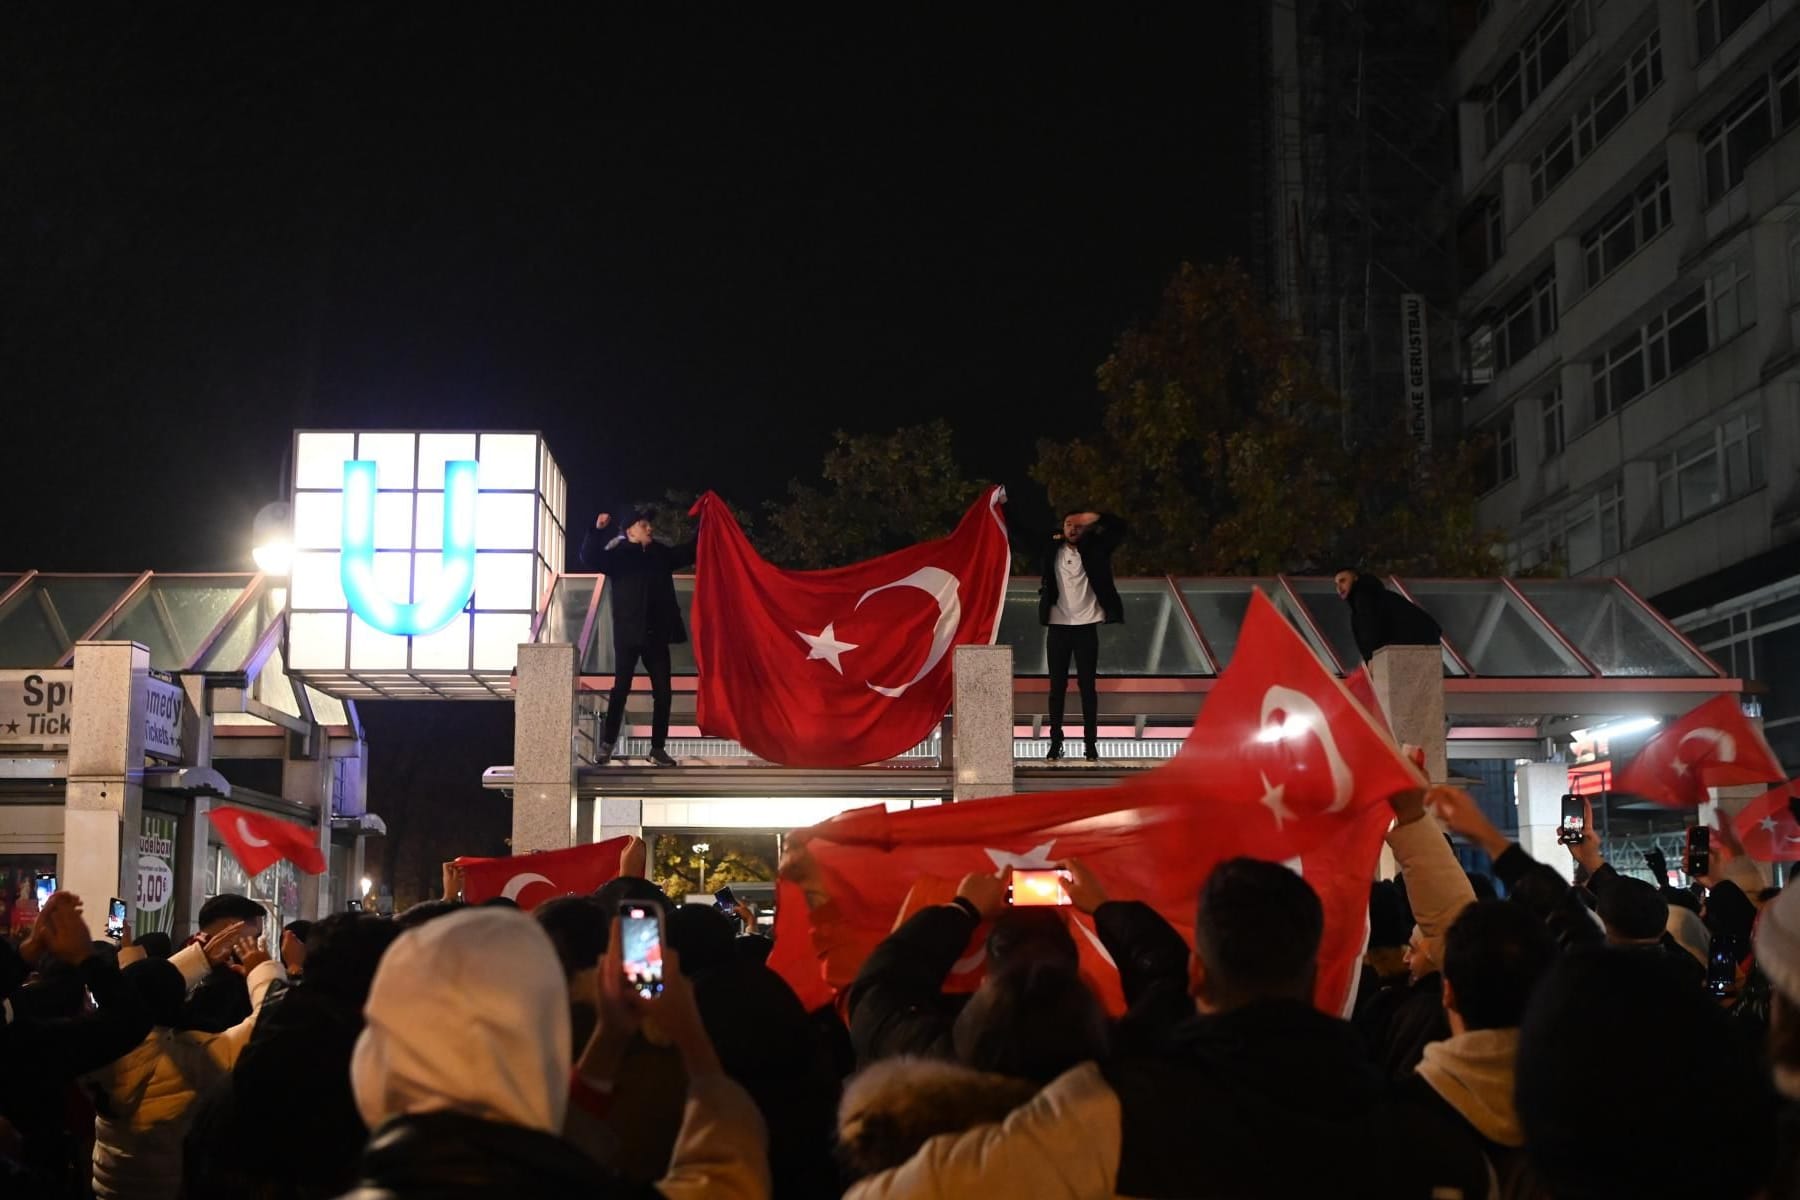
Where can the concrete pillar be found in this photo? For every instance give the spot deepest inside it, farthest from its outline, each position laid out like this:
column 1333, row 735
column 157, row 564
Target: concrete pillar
column 308, row 781
column 544, row 748
column 1541, row 787
column 193, row 859
column 984, row 722
column 620, row 818
column 584, row 820
column 1409, row 683
column 104, row 812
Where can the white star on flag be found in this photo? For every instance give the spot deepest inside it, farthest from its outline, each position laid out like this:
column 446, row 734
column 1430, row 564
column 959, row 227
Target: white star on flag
column 825, row 645
column 1035, row 859
column 1770, row 824
column 1681, row 768
column 1272, row 799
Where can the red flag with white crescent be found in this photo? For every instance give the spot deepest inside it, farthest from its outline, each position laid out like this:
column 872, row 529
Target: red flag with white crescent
column 530, row 879
column 1712, row 745
column 846, row 666
column 1283, row 765
column 1769, row 827
column 258, row 840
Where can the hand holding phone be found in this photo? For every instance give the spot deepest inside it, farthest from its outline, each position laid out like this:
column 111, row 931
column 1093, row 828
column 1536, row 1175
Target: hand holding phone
column 1697, row 860
column 1035, row 889
column 115, row 919
column 641, row 947
column 1572, row 830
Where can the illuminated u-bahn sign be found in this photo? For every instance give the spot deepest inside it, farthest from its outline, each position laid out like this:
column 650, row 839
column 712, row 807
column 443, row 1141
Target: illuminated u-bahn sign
column 419, row 558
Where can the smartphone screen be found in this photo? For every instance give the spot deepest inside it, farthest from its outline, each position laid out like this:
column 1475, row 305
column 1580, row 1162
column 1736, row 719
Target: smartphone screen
column 1031, row 889
column 1698, row 859
column 640, row 925
column 45, row 888
column 1574, row 821
column 115, row 919
column 1722, row 965
column 725, row 898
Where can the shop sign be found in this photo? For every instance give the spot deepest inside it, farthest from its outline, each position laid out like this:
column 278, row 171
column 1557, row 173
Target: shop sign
column 155, row 874
column 163, row 705
column 35, row 707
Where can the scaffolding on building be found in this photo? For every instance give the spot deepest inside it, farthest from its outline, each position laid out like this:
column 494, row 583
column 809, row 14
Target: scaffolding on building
column 1356, row 153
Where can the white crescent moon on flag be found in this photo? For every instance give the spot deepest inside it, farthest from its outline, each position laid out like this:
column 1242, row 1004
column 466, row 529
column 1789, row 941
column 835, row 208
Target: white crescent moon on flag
column 1292, row 702
column 249, row 839
column 941, row 586
column 1725, row 746
column 520, row 882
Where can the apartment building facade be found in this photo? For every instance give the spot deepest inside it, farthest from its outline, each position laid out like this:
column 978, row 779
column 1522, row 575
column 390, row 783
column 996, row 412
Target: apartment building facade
column 1628, row 250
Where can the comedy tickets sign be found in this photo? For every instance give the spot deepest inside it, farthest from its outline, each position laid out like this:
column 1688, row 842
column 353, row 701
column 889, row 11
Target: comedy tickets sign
column 419, row 559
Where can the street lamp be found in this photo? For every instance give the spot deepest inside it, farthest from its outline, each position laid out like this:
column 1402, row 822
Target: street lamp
column 272, row 539
column 367, row 887
column 700, row 849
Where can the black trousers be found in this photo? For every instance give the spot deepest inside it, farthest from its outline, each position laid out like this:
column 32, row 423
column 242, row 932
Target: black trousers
column 655, row 655
column 1083, row 643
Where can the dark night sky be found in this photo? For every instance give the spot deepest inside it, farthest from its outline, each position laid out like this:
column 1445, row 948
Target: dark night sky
column 684, row 250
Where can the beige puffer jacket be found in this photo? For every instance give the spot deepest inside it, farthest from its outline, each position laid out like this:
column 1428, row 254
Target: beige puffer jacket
column 150, row 1093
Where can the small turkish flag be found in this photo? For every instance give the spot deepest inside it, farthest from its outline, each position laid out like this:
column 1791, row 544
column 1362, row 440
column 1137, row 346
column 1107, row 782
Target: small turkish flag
column 1359, row 684
column 1768, row 826
column 528, row 880
column 847, row 666
column 1283, row 765
column 1713, row 745
column 256, row 840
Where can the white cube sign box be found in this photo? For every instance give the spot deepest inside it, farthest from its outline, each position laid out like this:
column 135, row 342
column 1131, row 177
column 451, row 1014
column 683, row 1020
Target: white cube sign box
column 419, row 559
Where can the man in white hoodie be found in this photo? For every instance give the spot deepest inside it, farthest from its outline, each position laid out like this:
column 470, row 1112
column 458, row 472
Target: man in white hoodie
column 462, row 1073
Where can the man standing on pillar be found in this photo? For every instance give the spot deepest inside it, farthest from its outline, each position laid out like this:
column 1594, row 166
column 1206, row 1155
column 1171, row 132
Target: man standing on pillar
column 1077, row 597
column 646, row 619
column 1379, row 617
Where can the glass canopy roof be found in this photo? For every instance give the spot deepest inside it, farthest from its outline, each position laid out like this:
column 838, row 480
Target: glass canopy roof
column 190, row 623
column 1187, row 627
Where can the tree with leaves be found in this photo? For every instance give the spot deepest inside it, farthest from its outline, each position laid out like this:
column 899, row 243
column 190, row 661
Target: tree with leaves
column 1224, row 446
column 883, row 491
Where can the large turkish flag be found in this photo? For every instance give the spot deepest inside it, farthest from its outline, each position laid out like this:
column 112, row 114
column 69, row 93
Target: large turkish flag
column 846, row 666
column 530, row 879
column 1712, row 745
column 1283, row 765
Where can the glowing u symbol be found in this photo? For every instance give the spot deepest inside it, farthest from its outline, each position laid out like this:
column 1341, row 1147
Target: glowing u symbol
column 457, row 583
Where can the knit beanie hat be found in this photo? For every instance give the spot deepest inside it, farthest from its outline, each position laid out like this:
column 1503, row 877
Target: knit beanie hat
column 1634, row 909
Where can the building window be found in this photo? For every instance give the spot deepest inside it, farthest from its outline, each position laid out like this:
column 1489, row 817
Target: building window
column 1728, row 144
column 1716, row 20
column 1523, row 76
column 1478, row 355
column 1579, row 536
column 1528, row 319
column 1733, row 301
column 1669, row 341
column 1550, row 409
column 1622, row 92
column 1722, row 464
column 1631, row 223
column 1499, row 462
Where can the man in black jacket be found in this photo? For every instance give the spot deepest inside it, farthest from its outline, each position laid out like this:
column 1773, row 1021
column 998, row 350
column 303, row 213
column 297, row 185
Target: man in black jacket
column 1077, row 596
column 1380, row 618
column 646, row 619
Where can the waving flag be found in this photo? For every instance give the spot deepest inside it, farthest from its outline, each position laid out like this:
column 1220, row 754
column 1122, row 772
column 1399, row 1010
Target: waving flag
column 530, row 879
column 1769, row 827
column 1714, row 745
column 258, row 840
column 846, row 666
column 1283, row 765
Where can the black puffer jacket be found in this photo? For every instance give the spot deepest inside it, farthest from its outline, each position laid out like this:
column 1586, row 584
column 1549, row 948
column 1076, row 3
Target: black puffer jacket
column 1380, row 618
column 448, row 1155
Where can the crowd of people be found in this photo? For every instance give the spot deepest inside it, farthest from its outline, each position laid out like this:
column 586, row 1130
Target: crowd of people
column 1558, row 1042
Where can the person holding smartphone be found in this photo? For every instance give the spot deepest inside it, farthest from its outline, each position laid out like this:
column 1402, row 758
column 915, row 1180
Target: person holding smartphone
column 646, row 619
